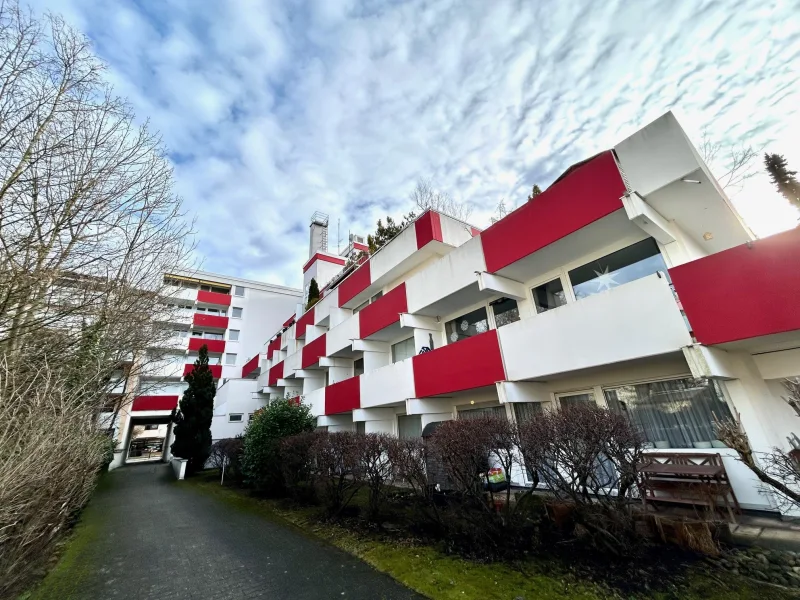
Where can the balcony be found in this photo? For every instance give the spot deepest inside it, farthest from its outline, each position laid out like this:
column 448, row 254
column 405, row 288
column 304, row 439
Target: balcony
column 745, row 292
column 215, row 298
column 343, row 396
column 275, row 373
column 212, row 321
column 635, row 320
column 216, row 370
column 383, row 312
column 388, row 385
column 313, row 351
column 148, row 403
column 471, row 363
column 214, row 346
column 252, row 368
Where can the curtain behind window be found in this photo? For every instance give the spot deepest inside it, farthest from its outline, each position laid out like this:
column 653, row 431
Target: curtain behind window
column 679, row 413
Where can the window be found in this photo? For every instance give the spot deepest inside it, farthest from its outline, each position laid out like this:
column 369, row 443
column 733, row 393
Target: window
column 566, row 400
column 525, row 410
column 467, row 325
column 235, row 418
column 236, row 312
column 233, row 335
column 620, row 267
column 361, row 306
column 505, row 311
column 213, row 336
column 358, row 367
column 361, row 427
column 409, row 426
column 151, row 427
column 250, row 417
column 548, row 296
column 196, row 333
column 238, row 290
column 376, row 296
column 403, row 350
column 679, row 413
column 181, row 333
column 477, row 413
column 230, row 359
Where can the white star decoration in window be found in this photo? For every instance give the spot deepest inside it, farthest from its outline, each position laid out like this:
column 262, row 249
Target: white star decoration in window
column 605, row 280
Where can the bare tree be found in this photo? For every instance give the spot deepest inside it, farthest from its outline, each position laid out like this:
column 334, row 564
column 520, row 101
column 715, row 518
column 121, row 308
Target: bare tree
column 425, row 196
column 732, row 165
column 89, row 224
column 778, row 470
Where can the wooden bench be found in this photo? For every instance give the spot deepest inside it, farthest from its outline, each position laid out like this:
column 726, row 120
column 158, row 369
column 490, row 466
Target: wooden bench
column 693, row 479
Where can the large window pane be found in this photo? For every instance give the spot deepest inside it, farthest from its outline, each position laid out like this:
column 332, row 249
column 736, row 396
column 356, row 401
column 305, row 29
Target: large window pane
column 505, row 311
column 477, row 413
column 566, row 400
column 403, row 350
column 467, row 325
column 526, row 410
column 623, row 266
column 549, row 295
column 672, row 414
column 409, row 426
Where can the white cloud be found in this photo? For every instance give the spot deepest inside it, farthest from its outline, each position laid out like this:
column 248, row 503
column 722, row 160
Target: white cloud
column 273, row 110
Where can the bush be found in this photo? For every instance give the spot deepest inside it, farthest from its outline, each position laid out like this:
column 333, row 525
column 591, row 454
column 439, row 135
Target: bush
column 297, row 465
column 376, row 469
column 338, row 465
column 485, row 515
column 261, row 460
column 588, row 457
column 227, row 453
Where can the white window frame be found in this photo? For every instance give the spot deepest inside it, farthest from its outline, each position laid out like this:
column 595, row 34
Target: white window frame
column 227, row 357
column 239, row 420
column 592, row 390
column 233, row 312
column 230, row 333
column 236, row 288
column 473, row 307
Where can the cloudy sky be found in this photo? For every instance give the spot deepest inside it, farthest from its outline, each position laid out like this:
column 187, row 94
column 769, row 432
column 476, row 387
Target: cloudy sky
column 272, row 109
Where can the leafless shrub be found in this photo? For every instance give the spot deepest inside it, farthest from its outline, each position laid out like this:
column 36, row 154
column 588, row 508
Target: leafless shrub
column 376, row 469
column 776, row 469
column 337, row 465
column 297, row 464
column 227, row 453
column 588, row 456
column 50, row 453
column 486, row 517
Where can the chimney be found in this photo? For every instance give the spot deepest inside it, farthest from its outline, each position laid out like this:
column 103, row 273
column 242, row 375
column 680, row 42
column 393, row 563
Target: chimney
column 318, row 240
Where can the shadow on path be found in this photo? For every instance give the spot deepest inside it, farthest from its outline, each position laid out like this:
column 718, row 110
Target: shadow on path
column 146, row 536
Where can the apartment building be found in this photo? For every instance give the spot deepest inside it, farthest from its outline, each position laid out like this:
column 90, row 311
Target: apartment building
column 231, row 317
column 631, row 282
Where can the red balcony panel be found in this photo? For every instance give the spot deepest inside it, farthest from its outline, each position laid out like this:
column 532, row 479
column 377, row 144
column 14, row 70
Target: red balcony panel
column 214, row 346
column 325, row 258
column 743, row 292
column 467, row 364
column 343, row 396
column 289, row 321
column 303, row 322
column 588, row 193
column 214, row 298
column 216, row 370
column 428, row 228
column 214, row 321
column 354, row 284
column 251, row 365
column 273, row 346
column 275, row 373
column 294, row 400
column 383, row 312
column 312, row 352
column 155, row 403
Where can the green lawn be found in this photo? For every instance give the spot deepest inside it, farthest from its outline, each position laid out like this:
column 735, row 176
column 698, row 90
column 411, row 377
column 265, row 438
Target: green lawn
column 443, row 577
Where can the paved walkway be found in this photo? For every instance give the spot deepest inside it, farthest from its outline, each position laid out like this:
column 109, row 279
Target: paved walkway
column 152, row 538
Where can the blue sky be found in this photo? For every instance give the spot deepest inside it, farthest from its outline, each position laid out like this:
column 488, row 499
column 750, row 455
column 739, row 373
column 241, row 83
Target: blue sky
column 274, row 109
